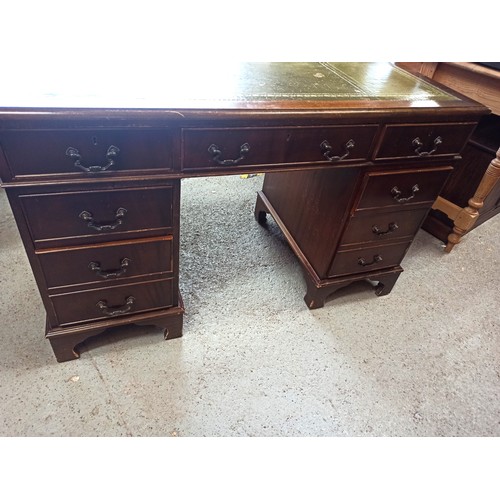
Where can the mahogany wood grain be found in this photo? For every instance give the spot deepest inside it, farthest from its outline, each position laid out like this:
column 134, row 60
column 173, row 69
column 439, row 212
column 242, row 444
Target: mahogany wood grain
column 70, row 266
column 140, row 150
column 275, row 145
column 380, row 188
column 55, row 218
column 312, row 206
column 66, row 341
column 332, row 137
column 318, row 291
column 383, row 226
column 82, row 306
column 399, row 140
column 368, row 258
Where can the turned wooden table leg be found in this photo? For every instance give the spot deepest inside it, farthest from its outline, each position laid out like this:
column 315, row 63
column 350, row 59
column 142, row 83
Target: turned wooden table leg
column 466, row 218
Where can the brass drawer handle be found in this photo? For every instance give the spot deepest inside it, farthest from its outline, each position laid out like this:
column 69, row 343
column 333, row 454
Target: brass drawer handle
column 116, row 311
column 214, row 150
column 376, row 258
column 326, row 149
column 103, row 226
column 396, row 194
column 419, row 144
column 112, row 273
column 110, row 157
column 390, row 229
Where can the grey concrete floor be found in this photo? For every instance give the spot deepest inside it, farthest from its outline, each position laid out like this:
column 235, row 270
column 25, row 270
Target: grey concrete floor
column 254, row 361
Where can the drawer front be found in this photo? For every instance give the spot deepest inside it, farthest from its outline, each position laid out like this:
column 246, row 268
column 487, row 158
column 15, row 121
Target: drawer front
column 216, row 149
column 80, row 152
column 404, row 187
column 111, row 302
column 83, row 217
column 385, row 226
column 107, row 263
column 423, row 140
column 368, row 258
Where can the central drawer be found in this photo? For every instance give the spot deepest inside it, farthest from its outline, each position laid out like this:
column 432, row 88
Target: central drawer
column 216, row 149
column 98, row 215
column 106, row 263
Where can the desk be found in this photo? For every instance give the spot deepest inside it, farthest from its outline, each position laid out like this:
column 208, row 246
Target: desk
column 354, row 155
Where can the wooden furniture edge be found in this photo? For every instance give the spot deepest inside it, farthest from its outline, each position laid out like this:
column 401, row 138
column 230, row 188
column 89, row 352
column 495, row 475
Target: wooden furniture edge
column 465, row 218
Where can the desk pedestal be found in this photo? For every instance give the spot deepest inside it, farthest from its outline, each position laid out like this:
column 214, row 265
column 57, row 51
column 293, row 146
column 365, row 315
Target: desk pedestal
column 350, row 223
column 319, row 289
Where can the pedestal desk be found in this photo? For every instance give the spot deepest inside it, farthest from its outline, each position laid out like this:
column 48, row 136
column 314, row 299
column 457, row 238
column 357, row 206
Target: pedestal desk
column 354, row 155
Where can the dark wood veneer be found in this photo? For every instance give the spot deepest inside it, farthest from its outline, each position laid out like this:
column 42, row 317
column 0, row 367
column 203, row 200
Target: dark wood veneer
column 70, row 266
column 382, row 226
column 139, row 150
column 379, row 187
column 55, row 218
column 398, row 140
column 368, row 258
column 339, row 146
column 312, row 206
column 275, row 145
column 82, row 306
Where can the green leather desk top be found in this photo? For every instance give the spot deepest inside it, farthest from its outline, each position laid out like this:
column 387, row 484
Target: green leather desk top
column 319, row 81
column 202, row 85
column 194, row 91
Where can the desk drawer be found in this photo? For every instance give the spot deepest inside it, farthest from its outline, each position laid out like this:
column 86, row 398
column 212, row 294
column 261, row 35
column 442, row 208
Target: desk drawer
column 368, row 258
column 404, row 187
column 423, row 140
column 83, row 217
column 112, row 302
column 216, row 149
column 106, row 263
column 74, row 152
column 384, row 226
